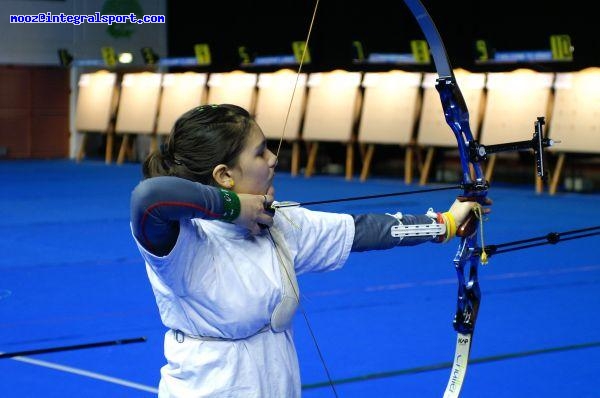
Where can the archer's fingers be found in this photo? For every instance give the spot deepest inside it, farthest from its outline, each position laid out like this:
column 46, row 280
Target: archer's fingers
column 268, row 202
column 266, row 218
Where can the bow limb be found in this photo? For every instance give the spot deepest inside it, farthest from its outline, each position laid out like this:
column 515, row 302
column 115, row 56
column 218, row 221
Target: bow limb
column 475, row 189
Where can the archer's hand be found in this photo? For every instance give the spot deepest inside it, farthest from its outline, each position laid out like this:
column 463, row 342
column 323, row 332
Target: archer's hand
column 462, row 208
column 255, row 211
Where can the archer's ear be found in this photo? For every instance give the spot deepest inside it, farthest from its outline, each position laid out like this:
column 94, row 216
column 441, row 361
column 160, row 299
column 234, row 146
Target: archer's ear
column 222, row 176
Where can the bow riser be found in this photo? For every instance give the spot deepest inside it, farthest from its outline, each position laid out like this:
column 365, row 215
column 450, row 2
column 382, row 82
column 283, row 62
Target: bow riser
column 469, row 293
column 457, row 117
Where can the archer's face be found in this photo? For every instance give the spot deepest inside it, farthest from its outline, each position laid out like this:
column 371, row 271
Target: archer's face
column 255, row 168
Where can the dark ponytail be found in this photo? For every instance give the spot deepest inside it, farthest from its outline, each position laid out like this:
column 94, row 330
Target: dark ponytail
column 201, row 139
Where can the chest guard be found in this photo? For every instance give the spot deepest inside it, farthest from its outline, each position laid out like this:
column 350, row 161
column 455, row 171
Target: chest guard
column 283, row 314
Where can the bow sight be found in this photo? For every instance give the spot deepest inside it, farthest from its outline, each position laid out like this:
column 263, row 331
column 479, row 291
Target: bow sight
column 478, row 152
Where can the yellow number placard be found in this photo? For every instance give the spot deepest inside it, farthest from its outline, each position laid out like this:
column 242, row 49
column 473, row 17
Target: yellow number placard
column 150, row 58
column 301, row 51
column 420, row 51
column 360, row 51
column 109, row 56
column 561, row 47
column 202, row 51
column 482, row 50
column 244, row 56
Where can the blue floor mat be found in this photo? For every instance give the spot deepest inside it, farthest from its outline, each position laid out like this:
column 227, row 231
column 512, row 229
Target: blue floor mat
column 71, row 274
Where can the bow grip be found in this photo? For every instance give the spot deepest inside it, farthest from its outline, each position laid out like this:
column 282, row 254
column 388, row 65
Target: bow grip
column 469, row 226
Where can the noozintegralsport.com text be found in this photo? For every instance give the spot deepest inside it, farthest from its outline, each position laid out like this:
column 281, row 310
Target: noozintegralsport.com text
column 48, row 17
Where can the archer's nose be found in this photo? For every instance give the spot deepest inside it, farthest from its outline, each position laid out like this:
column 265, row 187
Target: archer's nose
column 272, row 162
